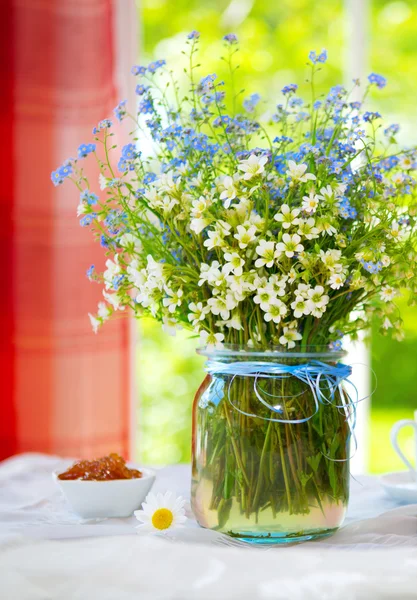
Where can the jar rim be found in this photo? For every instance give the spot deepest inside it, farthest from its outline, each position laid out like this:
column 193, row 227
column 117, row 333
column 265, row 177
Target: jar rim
column 236, row 350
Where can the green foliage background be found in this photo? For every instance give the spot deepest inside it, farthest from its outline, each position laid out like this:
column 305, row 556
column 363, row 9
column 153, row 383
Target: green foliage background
column 275, row 40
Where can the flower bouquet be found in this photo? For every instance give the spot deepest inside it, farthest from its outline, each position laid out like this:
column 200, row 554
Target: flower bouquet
column 271, row 235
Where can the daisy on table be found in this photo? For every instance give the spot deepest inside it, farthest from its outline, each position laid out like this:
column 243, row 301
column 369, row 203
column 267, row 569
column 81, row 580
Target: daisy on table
column 161, row 513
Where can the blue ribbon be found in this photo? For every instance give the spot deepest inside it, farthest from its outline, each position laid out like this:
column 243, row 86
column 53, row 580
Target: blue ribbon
column 313, row 373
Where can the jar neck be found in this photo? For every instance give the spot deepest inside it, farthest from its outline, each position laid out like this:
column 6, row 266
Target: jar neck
column 232, row 353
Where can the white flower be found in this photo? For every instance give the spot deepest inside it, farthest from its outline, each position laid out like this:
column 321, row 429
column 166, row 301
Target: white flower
column 102, row 182
column 199, row 206
column 289, row 337
column 311, row 202
column 287, row 216
column 233, row 323
column 245, row 235
column 267, row 252
column 113, row 269
column 209, row 273
column 234, row 264
column 330, row 258
column 317, row 300
column 298, row 172
column 95, row 323
column 327, row 193
column 336, row 280
column 292, row 275
column 197, row 313
column 128, row 239
column 170, row 325
column 387, row 323
column 229, row 192
column 215, row 240
column 290, row 245
column 300, row 307
column 277, row 284
column 114, row 300
column 396, row 233
column 161, row 512
column 222, row 306
column 254, row 165
column 275, row 311
column 173, row 299
column 104, row 311
column 388, row 293
column 406, row 162
column 264, row 297
column 82, row 208
column 306, row 229
column 326, row 227
column 211, row 340
column 198, row 224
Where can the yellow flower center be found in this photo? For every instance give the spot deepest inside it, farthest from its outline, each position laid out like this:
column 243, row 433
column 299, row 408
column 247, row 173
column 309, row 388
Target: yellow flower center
column 162, row 518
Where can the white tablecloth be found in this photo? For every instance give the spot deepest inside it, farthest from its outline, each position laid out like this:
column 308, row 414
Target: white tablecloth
column 373, row 556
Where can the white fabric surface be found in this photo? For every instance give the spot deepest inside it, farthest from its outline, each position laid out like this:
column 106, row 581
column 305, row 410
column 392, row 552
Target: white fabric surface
column 373, row 556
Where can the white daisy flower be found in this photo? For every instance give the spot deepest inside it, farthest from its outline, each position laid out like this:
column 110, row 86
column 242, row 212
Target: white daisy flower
column 311, row 202
column 234, row 264
column 406, row 162
column 289, row 337
column 336, row 280
column 254, row 165
column 396, row 233
column 267, row 252
column 298, row 172
column 388, row 293
column 290, row 245
column 245, row 235
column 161, row 512
column 287, row 216
column 211, row 340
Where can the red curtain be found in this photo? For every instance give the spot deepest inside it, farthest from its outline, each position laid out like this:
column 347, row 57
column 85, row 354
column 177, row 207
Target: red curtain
column 63, row 390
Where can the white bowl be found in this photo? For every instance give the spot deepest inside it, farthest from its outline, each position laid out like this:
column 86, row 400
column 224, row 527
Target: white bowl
column 402, row 486
column 101, row 499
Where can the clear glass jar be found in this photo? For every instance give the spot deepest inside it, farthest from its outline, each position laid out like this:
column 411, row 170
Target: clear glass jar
column 254, row 476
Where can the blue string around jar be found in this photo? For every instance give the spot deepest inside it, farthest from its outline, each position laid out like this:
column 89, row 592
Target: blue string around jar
column 271, row 439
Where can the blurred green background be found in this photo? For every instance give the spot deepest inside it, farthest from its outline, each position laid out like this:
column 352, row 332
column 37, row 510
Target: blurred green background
column 275, row 38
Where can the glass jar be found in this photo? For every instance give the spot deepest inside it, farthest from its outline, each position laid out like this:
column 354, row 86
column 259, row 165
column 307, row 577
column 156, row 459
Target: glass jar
column 270, row 445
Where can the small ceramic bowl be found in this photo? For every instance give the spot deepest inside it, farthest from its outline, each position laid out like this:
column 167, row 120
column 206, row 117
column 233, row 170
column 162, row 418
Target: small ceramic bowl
column 101, row 499
column 402, row 486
